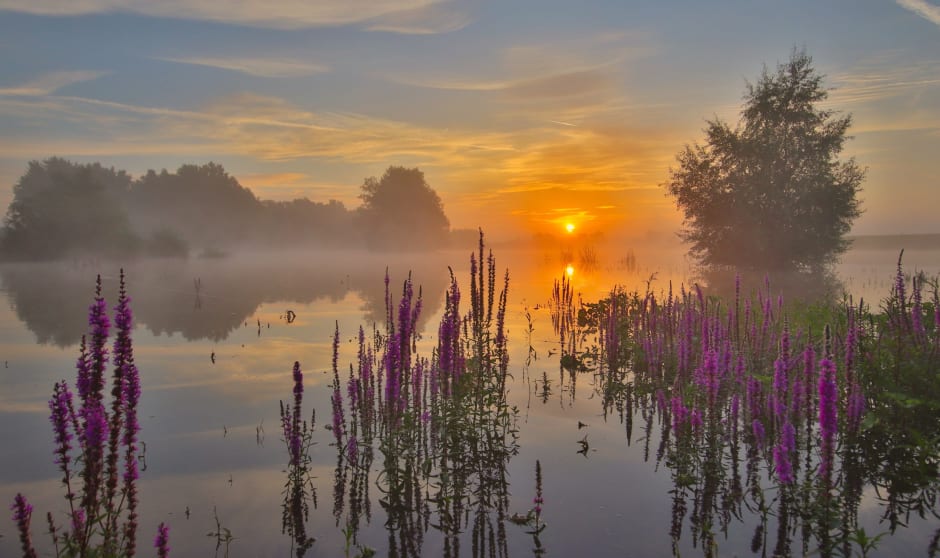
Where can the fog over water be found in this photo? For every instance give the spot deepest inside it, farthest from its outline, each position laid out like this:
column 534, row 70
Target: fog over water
column 215, row 346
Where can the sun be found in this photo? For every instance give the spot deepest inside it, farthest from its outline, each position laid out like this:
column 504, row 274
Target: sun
column 569, row 227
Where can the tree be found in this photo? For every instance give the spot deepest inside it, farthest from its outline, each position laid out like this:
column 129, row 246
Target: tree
column 201, row 203
column 771, row 193
column 401, row 211
column 60, row 207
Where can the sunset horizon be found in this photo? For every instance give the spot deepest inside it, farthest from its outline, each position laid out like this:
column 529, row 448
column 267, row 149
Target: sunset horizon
column 523, row 119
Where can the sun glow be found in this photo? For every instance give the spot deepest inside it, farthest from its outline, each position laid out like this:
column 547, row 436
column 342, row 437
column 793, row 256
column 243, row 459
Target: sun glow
column 569, row 227
column 569, row 271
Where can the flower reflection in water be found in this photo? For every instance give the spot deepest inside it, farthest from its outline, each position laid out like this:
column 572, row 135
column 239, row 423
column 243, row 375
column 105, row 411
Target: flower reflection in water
column 441, row 425
column 754, row 432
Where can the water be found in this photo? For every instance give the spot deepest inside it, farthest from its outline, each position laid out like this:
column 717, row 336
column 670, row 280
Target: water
column 212, row 432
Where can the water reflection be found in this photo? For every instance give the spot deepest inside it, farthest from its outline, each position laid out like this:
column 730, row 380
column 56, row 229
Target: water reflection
column 442, row 425
column 445, row 487
column 211, row 299
column 779, row 430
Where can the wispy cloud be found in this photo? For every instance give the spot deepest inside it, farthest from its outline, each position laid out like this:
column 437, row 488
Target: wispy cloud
column 538, row 166
column 423, row 20
column 866, row 85
column 286, row 186
column 924, row 9
column 887, row 95
column 260, row 67
column 403, row 16
column 50, row 83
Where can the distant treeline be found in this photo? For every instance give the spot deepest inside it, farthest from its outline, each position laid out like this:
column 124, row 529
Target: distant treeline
column 62, row 209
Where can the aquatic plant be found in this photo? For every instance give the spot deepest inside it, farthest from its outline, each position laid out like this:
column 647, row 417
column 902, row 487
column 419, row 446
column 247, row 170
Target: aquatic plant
column 441, row 424
column 748, row 424
column 102, row 514
column 299, row 490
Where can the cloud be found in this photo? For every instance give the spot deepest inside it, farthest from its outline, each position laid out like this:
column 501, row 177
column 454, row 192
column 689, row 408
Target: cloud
column 922, row 8
column 869, row 85
column 567, row 84
column 535, row 164
column 424, row 20
column 287, row 186
column 401, row 16
column 50, row 83
column 260, row 67
column 887, row 95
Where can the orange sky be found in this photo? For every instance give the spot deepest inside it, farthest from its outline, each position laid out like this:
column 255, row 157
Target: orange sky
column 522, row 115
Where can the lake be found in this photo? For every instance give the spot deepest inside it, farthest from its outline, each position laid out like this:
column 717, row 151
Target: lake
column 215, row 341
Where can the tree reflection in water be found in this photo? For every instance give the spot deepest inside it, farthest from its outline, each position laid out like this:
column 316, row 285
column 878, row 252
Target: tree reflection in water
column 769, row 417
column 441, row 426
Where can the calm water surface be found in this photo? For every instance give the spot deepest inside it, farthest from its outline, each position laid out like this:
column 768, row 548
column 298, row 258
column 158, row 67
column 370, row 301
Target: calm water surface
column 212, row 433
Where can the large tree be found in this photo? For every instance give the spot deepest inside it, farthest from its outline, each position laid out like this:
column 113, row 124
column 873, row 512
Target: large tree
column 201, row 203
column 60, row 208
column 771, row 193
column 400, row 211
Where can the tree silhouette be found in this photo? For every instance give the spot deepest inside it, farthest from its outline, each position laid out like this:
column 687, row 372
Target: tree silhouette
column 401, row 211
column 202, row 203
column 771, row 193
column 60, row 207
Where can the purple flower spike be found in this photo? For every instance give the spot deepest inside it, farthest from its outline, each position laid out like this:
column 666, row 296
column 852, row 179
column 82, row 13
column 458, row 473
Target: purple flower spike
column 60, row 416
column 22, row 513
column 828, row 418
column 162, row 541
column 759, row 434
column 782, row 464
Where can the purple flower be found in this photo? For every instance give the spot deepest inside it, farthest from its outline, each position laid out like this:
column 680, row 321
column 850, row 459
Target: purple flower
column 782, row 464
column 83, row 380
column 352, row 449
column 161, row 542
column 679, row 413
column 100, row 325
column 337, row 398
column 96, row 427
column 828, row 423
column 22, row 513
column 78, row 521
column 779, row 401
column 753, row 396
column 759, row 435
column 917, row 310
column 735, row 406
column 661, row 400
column 131, row 399
column 856, row 406
column 696, row 419
column 60, row 416
column 294, row 439
column 788, row 437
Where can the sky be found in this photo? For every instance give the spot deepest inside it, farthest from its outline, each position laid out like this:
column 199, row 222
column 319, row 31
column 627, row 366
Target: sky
column 524, row 115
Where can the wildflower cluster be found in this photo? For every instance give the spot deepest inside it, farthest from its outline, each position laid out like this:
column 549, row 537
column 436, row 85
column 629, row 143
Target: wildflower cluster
column 100, row 479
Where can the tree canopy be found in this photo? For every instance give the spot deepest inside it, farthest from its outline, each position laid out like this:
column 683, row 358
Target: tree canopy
column 771, row 193
column 401, row 211
column 61, row 208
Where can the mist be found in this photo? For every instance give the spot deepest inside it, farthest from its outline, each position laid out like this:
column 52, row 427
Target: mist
column 66, row 210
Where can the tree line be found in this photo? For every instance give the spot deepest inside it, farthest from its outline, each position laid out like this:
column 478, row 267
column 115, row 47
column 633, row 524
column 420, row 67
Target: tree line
column 61, row 208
